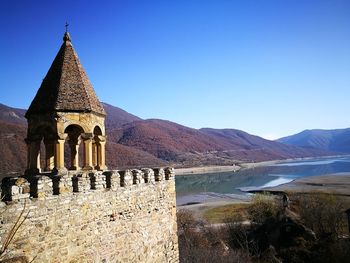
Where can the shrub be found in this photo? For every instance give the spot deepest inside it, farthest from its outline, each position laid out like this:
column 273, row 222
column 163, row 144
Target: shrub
column 185, row 220
column 205, row 244
column 323, row 213
column 238, row 236
column 262, row 208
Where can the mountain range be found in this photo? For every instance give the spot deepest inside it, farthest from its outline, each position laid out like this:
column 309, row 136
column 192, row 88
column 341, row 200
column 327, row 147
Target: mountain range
column 134, row 142
column 329, row 140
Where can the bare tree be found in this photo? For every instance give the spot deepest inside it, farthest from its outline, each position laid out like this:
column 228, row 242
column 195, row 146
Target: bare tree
column 13, row 231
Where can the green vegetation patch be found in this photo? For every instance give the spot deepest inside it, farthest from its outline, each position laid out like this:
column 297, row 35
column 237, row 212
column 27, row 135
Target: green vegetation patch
column 221, row 214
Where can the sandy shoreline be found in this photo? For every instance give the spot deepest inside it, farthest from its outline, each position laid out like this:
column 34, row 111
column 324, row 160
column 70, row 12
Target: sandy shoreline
column 206, row 169
column 338, row 184
column 223, row 168
column 239, row 166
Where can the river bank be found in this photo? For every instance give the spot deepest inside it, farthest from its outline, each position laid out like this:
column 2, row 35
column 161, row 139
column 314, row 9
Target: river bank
column 207, row 169
column 239, row 166
column 338, row 184
column 200, row 193
column 223, row 168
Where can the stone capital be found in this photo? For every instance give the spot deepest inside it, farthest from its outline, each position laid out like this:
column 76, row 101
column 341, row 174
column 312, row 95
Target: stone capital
column 87, row 136
column 100, row 138
column 62, row 136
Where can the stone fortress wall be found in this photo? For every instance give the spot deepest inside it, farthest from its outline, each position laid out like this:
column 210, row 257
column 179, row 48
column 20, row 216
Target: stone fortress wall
column 111, row 216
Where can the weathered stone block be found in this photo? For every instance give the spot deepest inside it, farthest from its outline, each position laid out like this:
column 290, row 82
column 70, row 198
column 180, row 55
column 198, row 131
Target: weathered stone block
column 159, row 174
column 14, row 188
column 148, row 175
column 81, row 182
column 44, row 186
column 169, row 173
column 112, row 180
column 137, row 176
column 125, row 178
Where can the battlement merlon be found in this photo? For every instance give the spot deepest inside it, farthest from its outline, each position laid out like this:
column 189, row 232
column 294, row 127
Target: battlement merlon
column 50, row 185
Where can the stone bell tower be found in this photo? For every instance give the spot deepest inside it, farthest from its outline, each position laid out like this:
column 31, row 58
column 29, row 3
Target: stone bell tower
column 65, row 110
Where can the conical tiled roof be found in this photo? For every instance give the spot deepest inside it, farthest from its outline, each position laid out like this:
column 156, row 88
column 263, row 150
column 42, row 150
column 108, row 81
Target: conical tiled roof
column 66, row 86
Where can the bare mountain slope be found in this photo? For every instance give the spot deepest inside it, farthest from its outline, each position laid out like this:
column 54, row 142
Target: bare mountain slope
column 133, row 142
column 117, row 117
column 236, row 140
column 164, row 139
column 12, row 115
column 13, row 151
column 329, row 140
column 179, row 144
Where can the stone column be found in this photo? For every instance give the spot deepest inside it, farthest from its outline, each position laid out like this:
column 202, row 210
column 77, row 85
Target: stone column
column 101, row 153
column 87, row 138
column 49, row 155
column 74, row 149
column 28, row 142
column 33, row 155
column 94, row 154
column 59, row 154
column 35, row 162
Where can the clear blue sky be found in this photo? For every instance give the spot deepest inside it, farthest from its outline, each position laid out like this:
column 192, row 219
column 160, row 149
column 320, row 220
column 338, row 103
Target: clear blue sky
column 271, row 68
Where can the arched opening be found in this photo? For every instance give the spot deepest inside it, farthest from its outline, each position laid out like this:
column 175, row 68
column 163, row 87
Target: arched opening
column 48, row 147
column 74, row 139
column 41, row 152
column 48, row 150
column 97, row 131
column 98, row 149
column 95, row 147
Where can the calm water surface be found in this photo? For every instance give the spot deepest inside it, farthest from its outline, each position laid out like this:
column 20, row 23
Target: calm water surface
column 192, row 188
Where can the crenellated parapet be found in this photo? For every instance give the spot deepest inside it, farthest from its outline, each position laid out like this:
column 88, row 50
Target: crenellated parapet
column 94, row 216
column 49, row 186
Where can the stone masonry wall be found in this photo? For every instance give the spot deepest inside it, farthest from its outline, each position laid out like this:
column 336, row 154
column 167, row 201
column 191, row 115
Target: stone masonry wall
column 125, row 216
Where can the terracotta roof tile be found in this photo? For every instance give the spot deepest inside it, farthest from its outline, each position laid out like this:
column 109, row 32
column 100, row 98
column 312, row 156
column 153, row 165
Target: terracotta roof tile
column 66, row 86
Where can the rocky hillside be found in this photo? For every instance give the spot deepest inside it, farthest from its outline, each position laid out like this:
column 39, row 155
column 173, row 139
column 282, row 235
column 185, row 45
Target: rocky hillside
column 328, row 140
column 184, row 146
column 12, row 115
column 13, row 151
column 133, row 142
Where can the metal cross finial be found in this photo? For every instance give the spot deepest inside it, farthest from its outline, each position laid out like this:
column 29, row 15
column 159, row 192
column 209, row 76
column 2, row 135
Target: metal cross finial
column 66, row 26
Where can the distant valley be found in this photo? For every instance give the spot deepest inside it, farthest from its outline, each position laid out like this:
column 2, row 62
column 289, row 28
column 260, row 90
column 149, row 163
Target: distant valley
column 134, row 142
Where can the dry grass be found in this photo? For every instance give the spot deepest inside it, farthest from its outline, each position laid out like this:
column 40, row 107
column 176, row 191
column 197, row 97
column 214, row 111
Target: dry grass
column 220, row 214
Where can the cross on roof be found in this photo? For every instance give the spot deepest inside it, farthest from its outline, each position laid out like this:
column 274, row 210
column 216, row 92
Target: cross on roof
column 66, row 26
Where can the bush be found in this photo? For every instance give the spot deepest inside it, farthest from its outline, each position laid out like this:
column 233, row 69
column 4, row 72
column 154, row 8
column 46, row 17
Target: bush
column 205, row 244
column 323, row 213
column 262, row 208
column 275, row 231
column 238, row 236
column 185, row 220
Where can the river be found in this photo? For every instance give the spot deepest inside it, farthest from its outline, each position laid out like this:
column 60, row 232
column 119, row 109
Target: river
column 200, row 187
